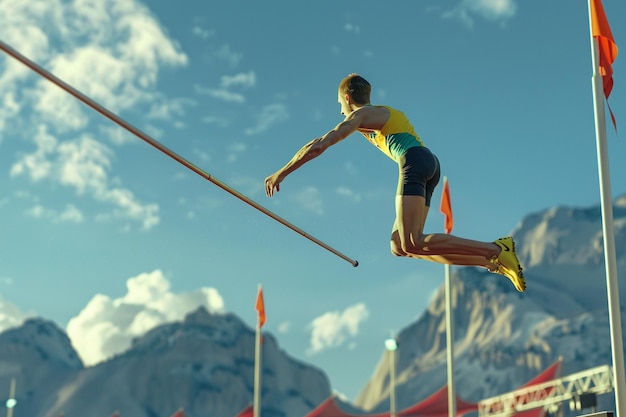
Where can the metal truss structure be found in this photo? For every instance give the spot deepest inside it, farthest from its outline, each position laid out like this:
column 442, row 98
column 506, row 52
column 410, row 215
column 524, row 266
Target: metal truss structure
column 595, row 381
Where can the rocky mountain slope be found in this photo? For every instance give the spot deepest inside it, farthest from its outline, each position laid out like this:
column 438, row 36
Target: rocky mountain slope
column 205, row 363
column 503, row 338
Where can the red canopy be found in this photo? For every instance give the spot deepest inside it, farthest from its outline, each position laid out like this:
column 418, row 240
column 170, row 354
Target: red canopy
column 437, row 404
column 550, row 373
column 246, row 412
column 179, row 413
column 434, row 406
column 329, row 408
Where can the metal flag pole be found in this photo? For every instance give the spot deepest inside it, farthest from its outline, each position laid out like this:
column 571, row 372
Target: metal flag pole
column 141, row 135
column 11, row 402
column 446, row 208
column 606, row 204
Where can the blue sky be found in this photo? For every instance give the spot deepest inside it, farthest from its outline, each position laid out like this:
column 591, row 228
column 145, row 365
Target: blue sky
column 108, row 237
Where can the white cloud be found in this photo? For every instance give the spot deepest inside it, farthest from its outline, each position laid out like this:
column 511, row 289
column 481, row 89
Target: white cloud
column 154, row 132
column 226, row 95
column 246, row 185
column 106, row 326
column 242, row 79
column 115, row 63
column 18, row 30
column 38, row 211
column 216, row 120
column 118, row 135
column 10, row 315
column 348, row 193
column 201, row 32
column 234, row 150
column 69, row 214
column 310, row 199
column 350, row 168
column 36, row 165
column 224, row 53
column 167, row 109
column 284, row 327
column 83, row 165
column 109, row 50
column 494, row 10
column 238, row 147
column 349, row 27
column 270, row 115
column 334, row 328
column 203, row 155
column 9, row 109
column 228, row 82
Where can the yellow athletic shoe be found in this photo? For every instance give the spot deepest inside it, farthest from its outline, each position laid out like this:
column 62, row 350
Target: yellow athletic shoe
column 507, row 263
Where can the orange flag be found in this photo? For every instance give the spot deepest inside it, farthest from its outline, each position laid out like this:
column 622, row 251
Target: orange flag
column 260, row 307
column 601, row 30
column 446, row 206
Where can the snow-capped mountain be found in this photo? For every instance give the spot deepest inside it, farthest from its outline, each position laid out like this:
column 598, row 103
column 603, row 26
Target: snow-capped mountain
column 205, row 363
column 503, row 338
column 40, row 356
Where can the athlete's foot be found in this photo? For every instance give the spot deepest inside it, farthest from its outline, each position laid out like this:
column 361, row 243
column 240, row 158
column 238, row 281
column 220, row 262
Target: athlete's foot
column 507, row 264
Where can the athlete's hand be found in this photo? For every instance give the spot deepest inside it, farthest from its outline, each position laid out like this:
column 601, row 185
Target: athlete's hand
column 272, row 183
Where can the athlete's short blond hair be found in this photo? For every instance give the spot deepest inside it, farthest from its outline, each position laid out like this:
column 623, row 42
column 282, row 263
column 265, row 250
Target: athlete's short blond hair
column 357, row 87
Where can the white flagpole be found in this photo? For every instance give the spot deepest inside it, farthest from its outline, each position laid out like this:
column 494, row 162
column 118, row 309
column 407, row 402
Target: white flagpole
column 256, row 412
column 447, row 211
column 391, row 345
column 450, row 344
column 615, row 320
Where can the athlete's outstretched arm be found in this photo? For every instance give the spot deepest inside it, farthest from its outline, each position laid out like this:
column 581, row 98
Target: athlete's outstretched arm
column 311, row 150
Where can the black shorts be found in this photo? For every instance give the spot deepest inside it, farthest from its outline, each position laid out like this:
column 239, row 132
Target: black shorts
column 419, row 173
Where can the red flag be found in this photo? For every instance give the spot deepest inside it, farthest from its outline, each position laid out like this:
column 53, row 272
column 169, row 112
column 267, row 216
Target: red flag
column 260, row 307
column 601, row 30
column 446, row 206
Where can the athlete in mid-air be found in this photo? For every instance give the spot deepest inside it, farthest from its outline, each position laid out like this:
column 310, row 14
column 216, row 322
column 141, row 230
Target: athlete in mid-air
column 391, row 132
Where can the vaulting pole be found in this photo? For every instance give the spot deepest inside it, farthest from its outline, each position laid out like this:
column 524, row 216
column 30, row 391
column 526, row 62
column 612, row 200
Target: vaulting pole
column 141, row 135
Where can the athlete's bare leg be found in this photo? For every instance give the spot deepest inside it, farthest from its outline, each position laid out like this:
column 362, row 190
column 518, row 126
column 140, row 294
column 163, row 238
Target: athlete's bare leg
column 408, row 239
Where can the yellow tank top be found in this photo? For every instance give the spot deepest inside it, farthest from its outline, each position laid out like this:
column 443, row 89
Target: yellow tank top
column 396, row 136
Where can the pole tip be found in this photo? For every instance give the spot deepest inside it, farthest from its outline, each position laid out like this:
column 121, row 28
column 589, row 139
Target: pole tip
column 355, row 264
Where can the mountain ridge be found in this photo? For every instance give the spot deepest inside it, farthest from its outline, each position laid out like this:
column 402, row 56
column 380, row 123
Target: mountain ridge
column 205, row 362
column 503, row 338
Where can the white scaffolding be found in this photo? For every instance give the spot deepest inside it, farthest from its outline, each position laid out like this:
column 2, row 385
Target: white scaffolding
column 596, row 381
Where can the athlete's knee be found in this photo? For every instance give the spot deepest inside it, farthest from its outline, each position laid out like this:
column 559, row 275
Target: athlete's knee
column 396, row 249
column 396, row 246
column 415, row 247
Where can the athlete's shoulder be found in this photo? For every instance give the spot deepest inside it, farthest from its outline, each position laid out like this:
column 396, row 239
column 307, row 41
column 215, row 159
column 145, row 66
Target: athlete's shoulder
column 372, row 116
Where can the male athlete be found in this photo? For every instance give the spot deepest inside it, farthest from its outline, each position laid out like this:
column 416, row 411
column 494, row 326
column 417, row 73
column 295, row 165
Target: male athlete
column 390, row 131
